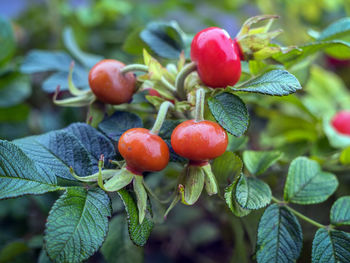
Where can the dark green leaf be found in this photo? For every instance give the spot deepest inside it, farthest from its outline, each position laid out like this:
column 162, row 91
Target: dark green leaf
column 227, row 168
column 42, row 61
column 88, row 60
column 14, row 89
column 94, row 142
column 139, row 233
column 118, row 246
column 307, row 183
column 230, row 198
column 78, row 146
column 77, row 224
column 19, row 175
column 252, row 193
column 331, row 246
column 168, row 127
column 280, row 237
column 118, row 123
column 274, row 83
column 340, row 212
column 164, row 38
column 7, row 39
column 257, row 162
column 80, row 79
column 230, row 112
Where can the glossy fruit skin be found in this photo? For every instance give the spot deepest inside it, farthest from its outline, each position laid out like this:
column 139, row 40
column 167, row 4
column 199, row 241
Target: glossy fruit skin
column 143, row 151
column 341, row 122
column 199, row 141
column 109, row 85
column 218, row 61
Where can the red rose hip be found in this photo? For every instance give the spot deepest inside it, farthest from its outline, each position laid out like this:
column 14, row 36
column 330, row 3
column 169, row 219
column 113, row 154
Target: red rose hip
column 143, row 151
column 199, row 141
column 217, row 58
column 110, row 85
column 341, row 122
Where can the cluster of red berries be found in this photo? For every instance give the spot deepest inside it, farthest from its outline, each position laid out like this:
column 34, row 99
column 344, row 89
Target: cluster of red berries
column 196, row 141
column 218, row 61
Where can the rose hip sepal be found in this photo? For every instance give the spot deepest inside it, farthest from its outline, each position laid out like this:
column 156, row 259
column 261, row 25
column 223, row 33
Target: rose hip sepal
column 199, row 142
column 218, row 61
column 341, row 122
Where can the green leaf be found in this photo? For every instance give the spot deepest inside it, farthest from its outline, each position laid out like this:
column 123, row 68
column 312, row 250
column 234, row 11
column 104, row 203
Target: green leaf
column 166, row 39
column 118, row 123
column 230, row 198
column 227, row 168
column 42, row 61
column 345, row 156
column 338, row 48
column 331, row 247
column 88, row 60
column 118, row 246
column 280, row 236
column 340, row 211
column 230, row 112
column 19, row 175
column 274, row 83
column 252, row 193
column 7, row 39
column 14, row 89
column 257, row 162
column 336, row 30
column 139, row 233
column 78, row 146
column 77, row 224
column 307, row 183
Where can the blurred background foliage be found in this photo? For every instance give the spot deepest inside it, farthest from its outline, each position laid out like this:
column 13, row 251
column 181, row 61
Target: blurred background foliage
column 110, row 28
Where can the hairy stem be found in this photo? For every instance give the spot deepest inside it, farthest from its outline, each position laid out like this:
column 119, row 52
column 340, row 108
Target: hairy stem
column 200, row 98
column 134, row 67
column 163, row 110
column 180, row 79
column 301, row 216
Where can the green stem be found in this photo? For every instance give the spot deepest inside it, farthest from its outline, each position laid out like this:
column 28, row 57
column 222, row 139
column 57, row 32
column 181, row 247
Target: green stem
column 134, row 67
column 200, row 98
column 167, row 84
column 180, row 78
column 301, row 216
column 163, row 110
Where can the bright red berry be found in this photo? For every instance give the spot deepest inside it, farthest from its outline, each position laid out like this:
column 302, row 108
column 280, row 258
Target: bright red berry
column 110, row 85
column 199, row 141
column 218, row 62
column 341, row 122
column 143, row 151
